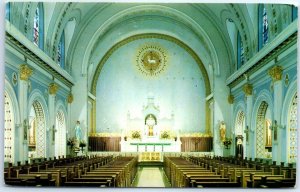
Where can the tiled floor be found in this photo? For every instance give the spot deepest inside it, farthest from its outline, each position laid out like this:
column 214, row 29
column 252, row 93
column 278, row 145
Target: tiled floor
column 151, row 177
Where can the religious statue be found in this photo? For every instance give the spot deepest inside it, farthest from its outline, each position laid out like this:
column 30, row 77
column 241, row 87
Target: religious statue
column 222, row 131
column 78, row 132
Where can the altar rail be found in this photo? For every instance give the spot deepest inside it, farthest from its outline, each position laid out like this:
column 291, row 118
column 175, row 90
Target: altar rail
column 104, row 143
column 188, row 144
column 201, row 144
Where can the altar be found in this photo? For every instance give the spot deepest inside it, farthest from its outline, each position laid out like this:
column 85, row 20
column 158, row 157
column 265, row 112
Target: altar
column 150, row 132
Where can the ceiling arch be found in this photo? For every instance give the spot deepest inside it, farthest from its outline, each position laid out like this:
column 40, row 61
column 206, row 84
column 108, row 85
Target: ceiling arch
column 142, row 12
column 157, row 36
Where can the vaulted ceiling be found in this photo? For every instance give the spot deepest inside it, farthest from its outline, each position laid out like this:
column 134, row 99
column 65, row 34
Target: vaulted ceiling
column 92, row 29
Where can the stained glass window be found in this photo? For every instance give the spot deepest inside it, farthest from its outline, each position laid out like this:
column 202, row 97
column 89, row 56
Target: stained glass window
column 263, row 26
column 293, row 131
column 240, row 51
column 294, row 13
column 61, row 51
column 8, row 129
column 7, row 11
column 60, row 134
column 38, row 26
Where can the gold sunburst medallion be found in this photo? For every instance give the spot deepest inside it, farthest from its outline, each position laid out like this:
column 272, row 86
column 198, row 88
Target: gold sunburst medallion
column 151, row 60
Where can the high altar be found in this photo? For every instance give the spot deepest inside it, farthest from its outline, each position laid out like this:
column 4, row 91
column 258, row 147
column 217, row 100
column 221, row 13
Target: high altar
column 152, row 133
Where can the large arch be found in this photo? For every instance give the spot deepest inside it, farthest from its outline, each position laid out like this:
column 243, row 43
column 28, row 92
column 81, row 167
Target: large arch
column 185, row 47
column 262, row 104
column 157, row 36
column 61, row 129
column 38, row 103
column 286, row 119
column 11, row 147
column 122, row 15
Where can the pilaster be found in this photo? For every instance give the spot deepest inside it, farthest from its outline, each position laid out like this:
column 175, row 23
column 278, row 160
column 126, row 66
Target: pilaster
column 24, row 74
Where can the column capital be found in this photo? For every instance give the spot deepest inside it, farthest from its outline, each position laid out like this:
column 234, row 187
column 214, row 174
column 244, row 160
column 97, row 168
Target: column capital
column 25, row 72
column 70, row 98
column 276, row 73
column 53, row 88
column 230, row 99
column 248, row 88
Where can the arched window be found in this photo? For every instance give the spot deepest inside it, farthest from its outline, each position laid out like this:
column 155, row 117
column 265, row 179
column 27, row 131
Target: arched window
column 263, row 27
column 294, row 12
column 37, row 131
column 240, row 51
column 7, row 11
column 292, row 128
column 38, row 26
column 8, row 129
column 263, row 132
column 61, row 51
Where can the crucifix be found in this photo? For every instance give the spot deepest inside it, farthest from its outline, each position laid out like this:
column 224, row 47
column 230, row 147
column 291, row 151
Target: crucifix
column 53, row 133
column 274, row 128
column 247, row 133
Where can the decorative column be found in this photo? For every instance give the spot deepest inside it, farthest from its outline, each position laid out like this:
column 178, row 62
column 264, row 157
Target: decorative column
column 24, row 73
column 70, row 100
column 248, row 89
column 52, row 89
column 276, row 75
column 230, row 100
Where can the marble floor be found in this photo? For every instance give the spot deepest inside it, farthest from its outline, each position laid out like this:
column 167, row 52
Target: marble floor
column 151, row 177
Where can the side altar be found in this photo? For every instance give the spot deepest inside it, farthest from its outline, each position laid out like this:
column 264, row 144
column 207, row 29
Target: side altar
column 150, row 133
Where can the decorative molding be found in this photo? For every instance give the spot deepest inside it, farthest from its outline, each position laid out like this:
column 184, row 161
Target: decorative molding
column 230, row 99
column 276, row 73
column 248, row 88
column 25, row 72
column 18, row 42
column 53, row 88
column 70, row 98
column 281, row 43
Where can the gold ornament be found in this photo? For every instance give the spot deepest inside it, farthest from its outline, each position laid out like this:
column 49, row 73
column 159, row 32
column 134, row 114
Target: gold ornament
column 276, row 73
column 230, row 99
column 25, row 72
column 70, row 98
column 151, row 59
column 53, row 88
column 248, row 89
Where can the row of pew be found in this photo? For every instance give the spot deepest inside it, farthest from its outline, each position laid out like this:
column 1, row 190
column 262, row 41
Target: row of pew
column 227, row 172
column 85, row 171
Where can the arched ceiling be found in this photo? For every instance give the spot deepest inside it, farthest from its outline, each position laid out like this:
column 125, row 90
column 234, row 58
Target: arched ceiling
column 100, row 26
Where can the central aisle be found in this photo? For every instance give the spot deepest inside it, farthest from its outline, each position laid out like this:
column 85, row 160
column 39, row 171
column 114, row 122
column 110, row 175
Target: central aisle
column 151, row 177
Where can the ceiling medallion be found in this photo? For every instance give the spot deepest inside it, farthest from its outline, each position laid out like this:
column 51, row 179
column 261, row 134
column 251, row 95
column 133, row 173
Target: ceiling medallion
column 151, row 59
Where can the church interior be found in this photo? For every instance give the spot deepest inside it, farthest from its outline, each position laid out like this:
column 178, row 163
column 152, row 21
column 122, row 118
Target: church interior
column 110, row 94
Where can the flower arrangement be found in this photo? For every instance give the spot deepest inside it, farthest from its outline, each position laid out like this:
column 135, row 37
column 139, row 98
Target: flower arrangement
column 136, row 135
column 165, row 135
column 227, row 142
